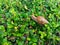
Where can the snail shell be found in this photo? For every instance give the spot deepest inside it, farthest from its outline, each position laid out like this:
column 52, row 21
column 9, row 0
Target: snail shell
column 39, row 19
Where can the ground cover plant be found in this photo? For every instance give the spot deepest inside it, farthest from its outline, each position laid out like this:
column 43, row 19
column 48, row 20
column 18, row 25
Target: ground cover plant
column 17, row 27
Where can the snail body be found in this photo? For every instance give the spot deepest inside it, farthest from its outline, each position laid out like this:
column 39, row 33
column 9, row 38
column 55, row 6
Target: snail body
column 40, row 19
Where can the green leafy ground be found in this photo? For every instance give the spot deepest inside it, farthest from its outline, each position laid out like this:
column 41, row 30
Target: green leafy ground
column 17, row 27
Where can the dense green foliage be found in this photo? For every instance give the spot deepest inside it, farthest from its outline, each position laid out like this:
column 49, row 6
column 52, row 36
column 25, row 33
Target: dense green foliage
column 17, row 27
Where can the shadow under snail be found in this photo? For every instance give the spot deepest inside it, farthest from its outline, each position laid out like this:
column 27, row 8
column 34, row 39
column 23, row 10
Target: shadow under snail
column 40, row 19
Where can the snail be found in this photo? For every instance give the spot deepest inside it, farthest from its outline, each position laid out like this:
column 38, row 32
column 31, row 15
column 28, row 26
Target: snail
column 39, row 19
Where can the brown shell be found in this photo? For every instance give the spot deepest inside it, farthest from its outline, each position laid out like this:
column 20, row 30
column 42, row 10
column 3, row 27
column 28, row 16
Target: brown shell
column 40, row 19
